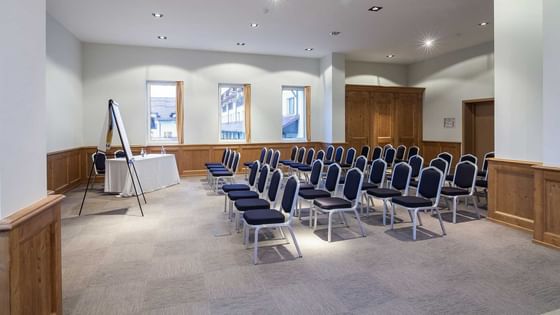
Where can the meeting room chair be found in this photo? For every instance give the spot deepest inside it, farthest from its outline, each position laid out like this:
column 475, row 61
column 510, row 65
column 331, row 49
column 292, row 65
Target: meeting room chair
column 482, row 184
column 293, row 153
column 348, row 202
column 222, row 175
column 261, row 158
column 331, row 184
column 361, row 164
column 398, row 187
column 275, row 160
column 305, row 167
column 268, row 156
column 349, row 160
column 416, row 162
column 233, row 196
column 251, row 182
column 376, row 153
column 314, row 176
column 269, row 200
column 412, row 151
column 385, row 148
column 273, row 219
column 482, row 172
column 389, row 157
column 376, row 179
column 225, row 156
column 465, row 157
column 98, row 159
column 226, row 166
column 464, row 183
column 119, row 154
column 427, row 198
column 300, row 156
column 329, row 153
column 448, row 157
column 365, row 151
column 320, row 156
column 399, row 154
column 338, row 155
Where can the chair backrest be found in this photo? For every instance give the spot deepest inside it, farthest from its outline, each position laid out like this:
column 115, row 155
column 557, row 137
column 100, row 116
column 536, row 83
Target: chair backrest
column 447, row 157
column 330, row 152
column 440, row 164
column 377, row 152
column 350, row 156
column 365, row 151
column 431, row 181
column 291, row 190
column 465, row 175
column 262, row 157
column 268, row 157
column 469, row 157
column 320, row 155
column 412, row 151
column 390, row 156
column 274, row 187
column 401, row 177
column 315, row 176
column 333, row 177
column 293, row 153
column 401, row 150
column 377, row 172
column 416, row 162
column 230, row 159
column 338, row 153
column 361, row 163
column 300, row 155
column 98, row 160
column 254, row 169
column 275, row 160
column 121, row 154
column 353, row 184
column 309, row 156
column 261, row 185
column 485, row 162
column 236, row 158
column 227, row 156
column 385, row 148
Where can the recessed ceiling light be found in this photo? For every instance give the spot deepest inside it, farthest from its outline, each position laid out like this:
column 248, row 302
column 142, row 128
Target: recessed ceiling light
column 428, row 42
column 375, row 8
column 157, row 15
column 254, row 25
column 241, row 44
column 308, row 49
column 483, row 24
column 334, row 33
column 162, row 37
column 390, row 56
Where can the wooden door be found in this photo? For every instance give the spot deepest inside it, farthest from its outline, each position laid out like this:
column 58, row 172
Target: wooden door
column 407, row 117
column 357, row 122
column 383, row 111
column 478, row 127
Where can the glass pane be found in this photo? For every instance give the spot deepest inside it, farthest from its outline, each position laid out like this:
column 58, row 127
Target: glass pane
column 232, row 109
column 293, row 113
column 163, row 112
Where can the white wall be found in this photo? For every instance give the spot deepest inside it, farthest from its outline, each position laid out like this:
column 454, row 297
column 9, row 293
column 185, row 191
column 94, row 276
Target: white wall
column 519, row 75
column 333, row 69
column 551, row 86
column 449, row 79
column 64, row 88
column 375, row 73
column 22, row 104
column 120, row 72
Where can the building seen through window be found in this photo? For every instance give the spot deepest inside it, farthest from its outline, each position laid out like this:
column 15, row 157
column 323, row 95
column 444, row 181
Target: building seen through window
column 232, row 112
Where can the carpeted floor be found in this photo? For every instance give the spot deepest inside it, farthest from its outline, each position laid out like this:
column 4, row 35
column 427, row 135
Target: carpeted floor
column 181, row 258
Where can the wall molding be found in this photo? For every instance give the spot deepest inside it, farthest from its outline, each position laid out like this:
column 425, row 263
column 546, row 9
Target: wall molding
column 547, row 206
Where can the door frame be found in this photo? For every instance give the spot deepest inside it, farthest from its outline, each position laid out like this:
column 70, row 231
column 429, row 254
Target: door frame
column 466, row 116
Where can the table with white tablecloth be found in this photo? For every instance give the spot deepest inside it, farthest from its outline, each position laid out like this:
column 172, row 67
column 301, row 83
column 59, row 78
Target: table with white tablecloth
column 156, row 171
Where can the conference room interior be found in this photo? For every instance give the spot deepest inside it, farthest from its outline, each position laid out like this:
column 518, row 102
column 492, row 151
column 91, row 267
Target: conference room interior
column 280, row 157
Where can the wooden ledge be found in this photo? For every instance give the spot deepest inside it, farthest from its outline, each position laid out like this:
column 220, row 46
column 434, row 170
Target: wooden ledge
column 518, row 162
column 547, row 168
column 18, row 217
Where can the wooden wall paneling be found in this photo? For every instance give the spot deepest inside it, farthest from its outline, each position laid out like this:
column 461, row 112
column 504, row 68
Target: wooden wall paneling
column 430, row 149
column 547, row 206
column 510, row 193
column 383, row 112
column 357, row 118
column 408, row 117
column 30, row 259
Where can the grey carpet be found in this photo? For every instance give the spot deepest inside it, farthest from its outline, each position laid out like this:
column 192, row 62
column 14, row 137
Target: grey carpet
column 181, row 259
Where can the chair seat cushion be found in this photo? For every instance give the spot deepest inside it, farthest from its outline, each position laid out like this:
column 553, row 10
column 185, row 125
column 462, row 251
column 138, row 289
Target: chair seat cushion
column 345, row 165
column 235, row 187
column 251, row 204
column 248, row 164
column 383, row 192
column 313, row 194
column 213, row 164
column 221, row 173
column 305, row 186
column 328, row 162
column 217, row 168
column 263, row 216
column 366, row 186
column 243, row 194
column 411, row 201
column 482, row 183
column 454, row 191
column 285, row 161
column 304, row 168
column 297, row 165
column 449, row 178
column 332, row 203
column 413, row 183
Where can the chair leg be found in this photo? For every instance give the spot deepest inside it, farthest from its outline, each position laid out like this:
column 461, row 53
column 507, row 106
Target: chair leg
column 392, row 215
column 414, row 223
column 344, row 221
column 282, row 233
column 315, row 214
column 295, row 241
column 454, row 210
column 385, row 213
column 419, row 218
column 246, row 232
column 476, row 208
column 360, row 223
column 256, row 246
column 330, row 226
column 225, row 203
column 310, row 213
column 440, row 221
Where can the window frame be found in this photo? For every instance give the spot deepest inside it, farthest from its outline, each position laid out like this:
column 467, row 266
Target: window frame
column 306, row 108
column 179, row 112
column 247, row 112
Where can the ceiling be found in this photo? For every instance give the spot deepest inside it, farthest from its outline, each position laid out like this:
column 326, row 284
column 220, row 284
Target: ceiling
column 286, row 27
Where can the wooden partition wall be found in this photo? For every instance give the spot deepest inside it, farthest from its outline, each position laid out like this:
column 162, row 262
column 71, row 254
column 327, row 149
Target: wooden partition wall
column 377, row 115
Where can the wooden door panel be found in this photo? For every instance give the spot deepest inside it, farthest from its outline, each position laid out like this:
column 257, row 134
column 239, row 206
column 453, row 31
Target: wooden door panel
column 484, row 129
column 357, row 120
column 384, row 109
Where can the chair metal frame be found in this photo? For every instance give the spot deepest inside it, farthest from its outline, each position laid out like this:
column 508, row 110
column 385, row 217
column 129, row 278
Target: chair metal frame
column 470, row 194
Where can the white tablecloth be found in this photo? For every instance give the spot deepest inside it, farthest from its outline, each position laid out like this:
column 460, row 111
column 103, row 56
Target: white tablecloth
column 156, row 171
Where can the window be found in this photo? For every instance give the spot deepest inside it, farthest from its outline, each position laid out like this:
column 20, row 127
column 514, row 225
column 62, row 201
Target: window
column 234, row 111
column 165, row 112
column 295, row 119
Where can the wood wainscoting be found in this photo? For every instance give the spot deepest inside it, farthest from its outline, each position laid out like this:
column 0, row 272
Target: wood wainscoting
column 430, row 150
column 30, row 259
column 547, row 206
column 511, row 196
column 65, row 169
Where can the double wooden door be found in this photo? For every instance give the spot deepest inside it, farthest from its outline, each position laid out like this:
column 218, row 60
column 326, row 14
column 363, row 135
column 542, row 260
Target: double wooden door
column 378, row 115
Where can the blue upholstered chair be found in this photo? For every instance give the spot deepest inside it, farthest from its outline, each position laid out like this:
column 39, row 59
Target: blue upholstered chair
column 376, row 179
column 331, row 184
column 252, row 180
column 464, row 182
column 293, row 153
